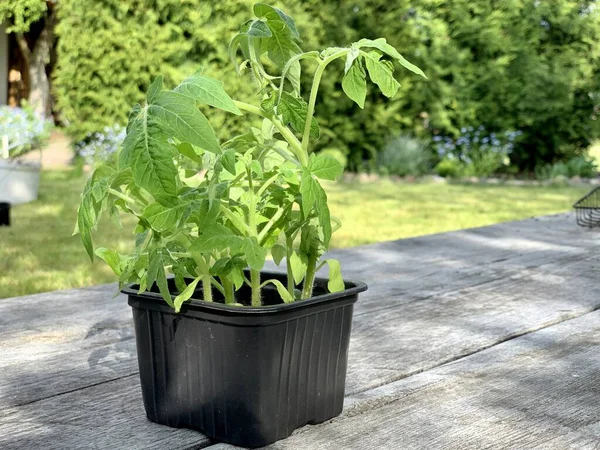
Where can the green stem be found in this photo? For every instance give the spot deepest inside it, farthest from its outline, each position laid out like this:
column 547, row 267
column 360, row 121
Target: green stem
column 263, row 233
column 228, row 290
column 295, row 144
column 255, row 285
column 239, row 224
column 291, row 285
column 314, row 90
column 309, row 280
column 121, row 195
column 207, row 288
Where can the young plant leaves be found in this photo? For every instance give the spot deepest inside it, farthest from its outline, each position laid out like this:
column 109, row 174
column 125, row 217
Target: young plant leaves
column 216, row 237
column 381, row 74
column 278, row 252
column 325, row 167
column 354, row 84
column 336, row 282
column 178, row 117
column 283, row 292
column 186, row 294
column 255, row 254
column 208, row 91
column 163, row 218
column 147, row 152
column 381, row 44
column 111, row 258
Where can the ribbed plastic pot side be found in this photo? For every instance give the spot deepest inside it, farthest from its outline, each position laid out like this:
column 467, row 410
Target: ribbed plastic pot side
column 241, row 375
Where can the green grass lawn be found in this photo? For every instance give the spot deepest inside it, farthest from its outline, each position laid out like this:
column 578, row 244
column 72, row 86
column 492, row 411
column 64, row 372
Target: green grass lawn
column 38, row 253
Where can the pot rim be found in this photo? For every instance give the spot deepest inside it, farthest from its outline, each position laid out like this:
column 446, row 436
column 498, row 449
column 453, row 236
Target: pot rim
column 353, row 288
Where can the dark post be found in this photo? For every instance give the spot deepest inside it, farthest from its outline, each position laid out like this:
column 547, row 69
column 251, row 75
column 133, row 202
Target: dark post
column 4, row 214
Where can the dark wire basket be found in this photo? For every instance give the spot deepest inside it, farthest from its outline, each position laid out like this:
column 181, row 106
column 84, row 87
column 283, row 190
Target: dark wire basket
column 587, row 209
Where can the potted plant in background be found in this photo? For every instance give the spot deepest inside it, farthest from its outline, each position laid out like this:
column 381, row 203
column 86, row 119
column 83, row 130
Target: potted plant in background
column 244, row 355
column 21, row 132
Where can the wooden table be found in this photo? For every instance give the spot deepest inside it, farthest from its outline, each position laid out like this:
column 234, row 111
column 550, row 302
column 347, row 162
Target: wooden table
column 483, row 338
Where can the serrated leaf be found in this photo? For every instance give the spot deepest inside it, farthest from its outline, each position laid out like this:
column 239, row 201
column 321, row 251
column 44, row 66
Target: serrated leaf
column 208, row 91
column 354, row 84
column 186, row 294
column 162, row 218
column 293, row 111
column 325, row 167
column 113, row 259
column 178, row 116
column 255, row 254
column 281, row 46
column 323, row 214
column 216, row 237
column 336, row 282
column 156, row 275
column 258, row 29
column 381, row 74
column 308, row 190
column 147, row 153
column 278, row 252
column 298, row 264
column 381, row 44
column 154, row 89
column 275, row 14
column 228, row 161
column 281, row 290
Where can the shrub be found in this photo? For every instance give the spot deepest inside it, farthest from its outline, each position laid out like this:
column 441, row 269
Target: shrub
column 404, row 155
column 449, row 167
column 25, row 131
column 579, row 166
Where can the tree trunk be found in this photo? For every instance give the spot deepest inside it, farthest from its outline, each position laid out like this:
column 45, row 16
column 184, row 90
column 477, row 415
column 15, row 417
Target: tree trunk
column 40, row 97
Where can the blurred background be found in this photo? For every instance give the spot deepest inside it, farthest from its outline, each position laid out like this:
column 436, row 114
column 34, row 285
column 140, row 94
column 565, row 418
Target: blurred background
column 505, row 128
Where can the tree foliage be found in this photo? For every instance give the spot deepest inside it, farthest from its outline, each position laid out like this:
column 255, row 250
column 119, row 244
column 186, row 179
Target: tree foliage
column 507, row 65
column 21, row 14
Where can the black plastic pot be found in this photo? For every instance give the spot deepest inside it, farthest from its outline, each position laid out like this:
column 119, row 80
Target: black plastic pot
column 245, row 376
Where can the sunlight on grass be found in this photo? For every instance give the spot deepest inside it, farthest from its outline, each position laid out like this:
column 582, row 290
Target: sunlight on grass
column 38, row 253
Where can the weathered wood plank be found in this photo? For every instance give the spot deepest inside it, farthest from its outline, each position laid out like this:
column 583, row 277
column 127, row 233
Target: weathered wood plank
column 538, row 391
column 106, row 416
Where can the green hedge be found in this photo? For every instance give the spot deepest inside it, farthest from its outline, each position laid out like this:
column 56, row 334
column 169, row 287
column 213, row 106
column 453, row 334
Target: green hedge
column 506, row 65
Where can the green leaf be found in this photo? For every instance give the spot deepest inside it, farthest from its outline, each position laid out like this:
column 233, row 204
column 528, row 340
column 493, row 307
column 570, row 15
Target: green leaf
column 178, row 116
column 293, row 110
column 308, row 190
column 188, row 151
column 281, row 46
column 255, row 254
column 228, row 161
column 162, row 218
column 325, row 167
column 186, row 294
column 278, row 252
column 381, row 74
column 156, row 275
column 208, row 91
column 283, row 292
column 256, row 168
column 273, row 14
column 216, row 237
column 147, row 152
column 113, row 259
column 298, row 264
column 258, row 29
column 352, row 55
column 336, row 282
column 154, row 89
column 354, row 84
column 323, row 213
column 381, row 44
